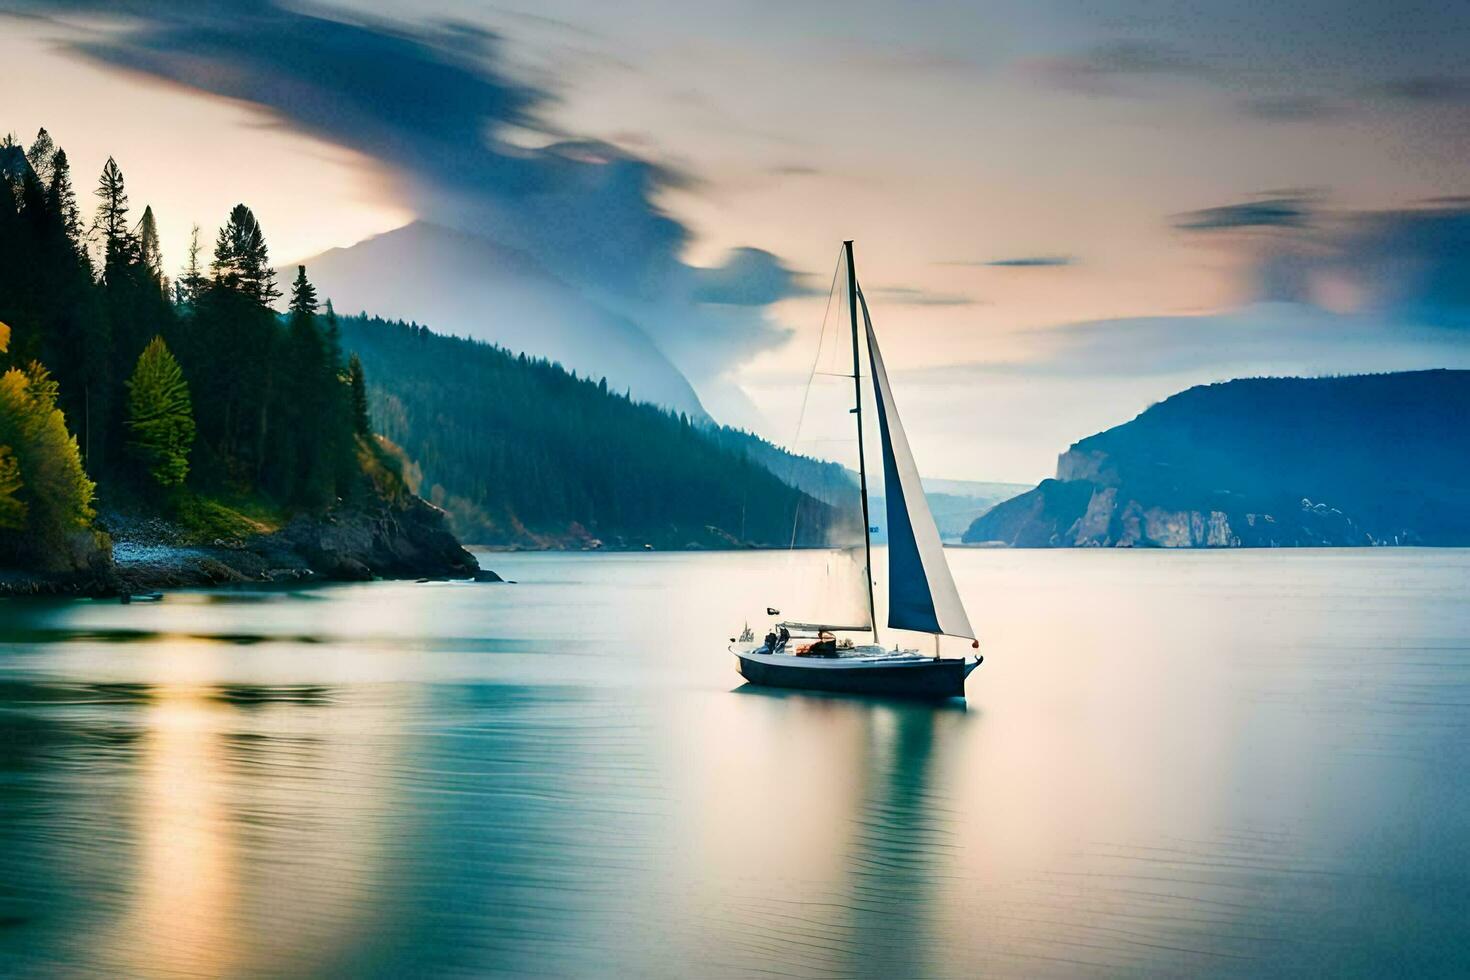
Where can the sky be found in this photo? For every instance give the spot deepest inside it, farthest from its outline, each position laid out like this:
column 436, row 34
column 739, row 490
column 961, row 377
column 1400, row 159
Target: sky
column 1063, row 211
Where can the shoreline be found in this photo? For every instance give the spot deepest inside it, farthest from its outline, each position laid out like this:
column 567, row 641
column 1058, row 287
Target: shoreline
column 355, row 544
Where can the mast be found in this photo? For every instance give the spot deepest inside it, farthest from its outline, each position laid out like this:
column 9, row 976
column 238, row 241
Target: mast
column 857, row 389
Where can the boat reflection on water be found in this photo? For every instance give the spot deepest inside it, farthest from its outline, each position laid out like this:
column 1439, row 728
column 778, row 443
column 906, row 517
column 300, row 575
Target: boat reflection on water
column 837, row 805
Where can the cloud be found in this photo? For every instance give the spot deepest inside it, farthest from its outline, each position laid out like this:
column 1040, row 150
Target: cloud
column 748, row 277
column 1292, row 108
column 434, row 106
column 1412, row 264
column 794, row 170
column 1273, row 212
column 1351, row 292
column 909, row 59
column 1428, row 89
column 1022, row 262
column 913, row 296
column 1115, row 68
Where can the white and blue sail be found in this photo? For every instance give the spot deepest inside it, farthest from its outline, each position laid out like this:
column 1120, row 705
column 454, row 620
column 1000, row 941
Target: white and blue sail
column 921, row 592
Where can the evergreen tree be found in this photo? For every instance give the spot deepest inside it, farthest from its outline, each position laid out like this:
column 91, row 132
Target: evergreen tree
column 148, row 251
column 160, row 416
column 304, row 469
column 119, row 247
column 232, row 350
column 358, row 382
column 63, row 200
column 303, row 295
column 41, row 155
column 186, row 289
column 241, row 260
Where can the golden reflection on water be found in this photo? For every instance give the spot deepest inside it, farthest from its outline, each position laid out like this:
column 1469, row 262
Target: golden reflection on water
column 187, row 897
column 260, row 818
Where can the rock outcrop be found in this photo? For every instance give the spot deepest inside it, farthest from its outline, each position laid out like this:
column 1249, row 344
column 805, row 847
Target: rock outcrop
column 1262, row 463
column 378, row 539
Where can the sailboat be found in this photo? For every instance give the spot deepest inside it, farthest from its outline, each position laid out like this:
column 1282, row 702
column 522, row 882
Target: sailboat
column 922, row 597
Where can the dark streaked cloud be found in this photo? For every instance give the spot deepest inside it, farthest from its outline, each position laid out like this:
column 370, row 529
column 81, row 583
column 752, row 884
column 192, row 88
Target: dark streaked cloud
column 1025, row 262
column 1115, row 68
column 1428, row 89
column 794, row 170
column 1261, row 338
column 1293, row 108
column 1412, row 263
column 914, row 296
column 1271, row 212
column 1400, row 279
column 748, row 277
column 434, row 106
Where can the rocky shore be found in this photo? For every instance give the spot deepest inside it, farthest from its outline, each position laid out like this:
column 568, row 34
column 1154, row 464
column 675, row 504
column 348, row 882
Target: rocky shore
column 380, row 540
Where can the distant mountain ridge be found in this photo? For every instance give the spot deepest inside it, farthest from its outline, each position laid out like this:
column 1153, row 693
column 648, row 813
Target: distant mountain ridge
column 1262, row 462
column 954, row 503
column 469, row 286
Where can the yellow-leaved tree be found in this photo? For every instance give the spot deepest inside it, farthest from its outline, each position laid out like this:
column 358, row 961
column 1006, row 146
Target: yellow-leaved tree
column 12, row 509
column 54, row 491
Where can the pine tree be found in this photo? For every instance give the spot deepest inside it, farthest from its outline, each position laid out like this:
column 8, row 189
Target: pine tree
column 302, row 469
column 241, row 260
column 160, row 416
column 148, row 250
column 41, row 155
column 303, row 295
column 358, row 382
column 63, row 200
column 119, row 247
column 186, row 289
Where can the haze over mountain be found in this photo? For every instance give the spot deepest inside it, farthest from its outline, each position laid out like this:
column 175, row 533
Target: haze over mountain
column 468, row 286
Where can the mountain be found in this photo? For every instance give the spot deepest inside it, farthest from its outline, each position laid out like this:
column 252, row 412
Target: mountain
column 956, row 503
column 469, row 286
column 522, row 452
column 1375, row 459
column 827, row 481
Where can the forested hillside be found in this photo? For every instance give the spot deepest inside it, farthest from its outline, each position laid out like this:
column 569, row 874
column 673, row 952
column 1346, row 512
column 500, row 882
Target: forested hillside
column 191, row 400
column 1372, row 459
column 523, row 452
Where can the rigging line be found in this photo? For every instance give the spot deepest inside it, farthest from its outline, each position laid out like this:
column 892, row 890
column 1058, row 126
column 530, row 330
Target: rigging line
column 807, row 394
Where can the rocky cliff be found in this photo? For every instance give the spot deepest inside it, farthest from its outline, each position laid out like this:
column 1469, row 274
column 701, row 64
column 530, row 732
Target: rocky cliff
column 1355, row 461
column 375, row 538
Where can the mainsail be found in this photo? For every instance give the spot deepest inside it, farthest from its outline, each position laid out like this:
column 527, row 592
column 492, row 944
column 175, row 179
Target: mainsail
column 921, row 591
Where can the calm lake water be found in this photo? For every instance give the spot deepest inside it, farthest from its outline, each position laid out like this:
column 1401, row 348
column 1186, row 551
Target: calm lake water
column 1226, row 763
